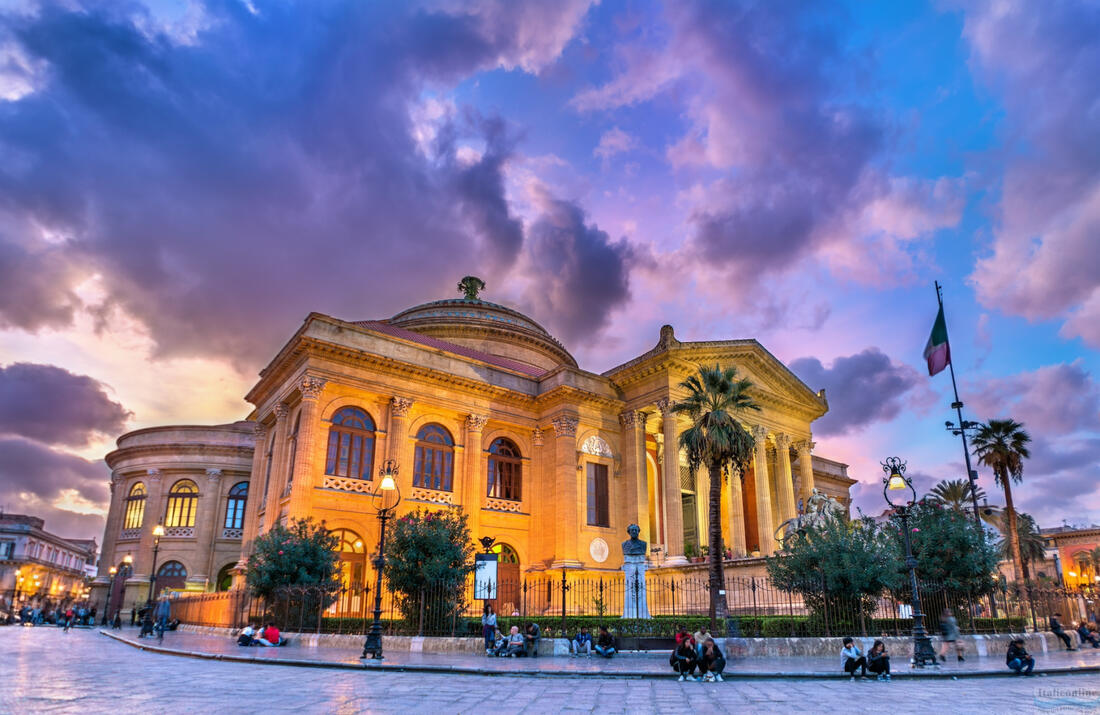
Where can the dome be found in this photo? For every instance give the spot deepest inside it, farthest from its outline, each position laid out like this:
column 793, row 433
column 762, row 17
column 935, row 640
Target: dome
column 487, row 327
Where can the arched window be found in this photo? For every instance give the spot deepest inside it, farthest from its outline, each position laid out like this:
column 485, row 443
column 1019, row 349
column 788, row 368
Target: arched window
column 171, row 575
column 353, row 557
column 182, row 500
column 350, row 444
column 293, row 439
column 433, row 467
column 135, row 507
column 224, row 580
column 505, row 554
column 504, row 470
column 234, row 507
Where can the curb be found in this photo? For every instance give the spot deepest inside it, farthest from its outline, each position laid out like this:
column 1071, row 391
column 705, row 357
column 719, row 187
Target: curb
column 629, row 675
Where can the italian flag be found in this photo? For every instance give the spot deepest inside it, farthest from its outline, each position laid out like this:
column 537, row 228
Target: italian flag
column 938, row 352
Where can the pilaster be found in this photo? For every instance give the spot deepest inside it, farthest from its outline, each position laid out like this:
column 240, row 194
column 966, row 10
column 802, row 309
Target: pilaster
column 303, row 474
column 473, row 485
column 565, row 495
column 398, row 439
column 635, row 505
column 154, row 512
column 255, row 494
column 209, row 498
column 670, row 483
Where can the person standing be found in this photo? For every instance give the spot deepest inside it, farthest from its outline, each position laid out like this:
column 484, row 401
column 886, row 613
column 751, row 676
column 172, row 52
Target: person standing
column 950, row 628
column 162, row 613
column 488, row 627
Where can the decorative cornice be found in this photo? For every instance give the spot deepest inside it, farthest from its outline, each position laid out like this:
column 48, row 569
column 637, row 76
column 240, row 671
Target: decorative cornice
column 476, row 423
column 213, row 474
column 536, row 437
column 311, row 387
column 565, row 426
column 399, row 406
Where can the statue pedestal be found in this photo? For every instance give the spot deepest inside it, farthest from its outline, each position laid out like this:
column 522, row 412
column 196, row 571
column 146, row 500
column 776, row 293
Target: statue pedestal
column 634, row 595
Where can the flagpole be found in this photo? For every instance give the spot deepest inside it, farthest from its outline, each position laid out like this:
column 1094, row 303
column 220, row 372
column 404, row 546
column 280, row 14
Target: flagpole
column 957, row 405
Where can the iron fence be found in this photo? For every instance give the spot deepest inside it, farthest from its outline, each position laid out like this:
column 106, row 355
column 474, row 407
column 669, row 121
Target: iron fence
column 757, row 608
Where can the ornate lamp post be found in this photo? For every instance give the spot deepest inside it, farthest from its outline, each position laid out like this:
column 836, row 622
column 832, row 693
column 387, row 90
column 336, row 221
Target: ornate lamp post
column 107, row 604
column 158, row 531
column 386, row 498
column 895, row 481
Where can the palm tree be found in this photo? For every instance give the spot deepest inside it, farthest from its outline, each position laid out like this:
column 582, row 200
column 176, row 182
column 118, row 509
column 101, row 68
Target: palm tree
column 717, row 441
column 1001, row 445
column 955, row 494
column 1033, row 547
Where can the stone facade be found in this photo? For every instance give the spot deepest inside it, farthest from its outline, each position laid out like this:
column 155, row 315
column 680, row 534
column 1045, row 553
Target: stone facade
column 151, row 473
column 482, row 408
column 38, row 568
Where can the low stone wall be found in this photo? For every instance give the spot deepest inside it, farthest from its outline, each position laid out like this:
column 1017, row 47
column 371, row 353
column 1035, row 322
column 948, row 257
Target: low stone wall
column 982, row 645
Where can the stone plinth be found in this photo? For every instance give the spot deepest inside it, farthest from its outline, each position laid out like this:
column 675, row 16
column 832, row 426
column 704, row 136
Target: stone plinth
column 634, row 595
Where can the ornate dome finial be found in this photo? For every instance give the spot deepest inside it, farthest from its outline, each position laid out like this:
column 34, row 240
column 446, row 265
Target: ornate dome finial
column 470, row 286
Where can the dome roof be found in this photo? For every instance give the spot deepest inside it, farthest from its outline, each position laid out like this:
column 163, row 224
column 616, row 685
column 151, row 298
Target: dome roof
column 489, row 327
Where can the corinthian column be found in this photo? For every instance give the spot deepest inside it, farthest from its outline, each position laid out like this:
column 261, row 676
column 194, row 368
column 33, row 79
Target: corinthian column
column 764, row 520
column 255, row 493
column 304, row 475
column 154, row 512
column 397, row 440
column 737, row 514
column 207, row 512
column 473, row 486
column 114, row 525
column 635, row 507
column 565, row 492
column 806, row 471
column 784, row 485
column 673, row 508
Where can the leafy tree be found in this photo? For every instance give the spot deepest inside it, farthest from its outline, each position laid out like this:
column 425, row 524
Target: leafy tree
column 950, row 548
column 838, row 564
column 1033, row 547
column 955, row 493
column 717, row 441
column 302, row 555
column 1001, row 445
column 428, row 557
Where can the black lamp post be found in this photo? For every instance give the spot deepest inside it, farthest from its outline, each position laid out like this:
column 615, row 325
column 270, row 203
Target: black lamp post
column 158, row 531
column 386, row 498
column 107, row 604
column 896, row 481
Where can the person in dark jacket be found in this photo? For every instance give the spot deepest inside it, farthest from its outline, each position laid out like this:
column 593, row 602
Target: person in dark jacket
column 684, row 659
column 711, row 661
column 531, row 638
column 1087, row 636
column 878, row 661
column 605, row 643
column 1017, row 658
column 1056, row 629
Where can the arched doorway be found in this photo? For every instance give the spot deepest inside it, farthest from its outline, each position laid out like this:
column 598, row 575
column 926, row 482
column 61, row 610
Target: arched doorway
column 172, row 575
column 224, row 581
column 353, row 569
column 508, row 581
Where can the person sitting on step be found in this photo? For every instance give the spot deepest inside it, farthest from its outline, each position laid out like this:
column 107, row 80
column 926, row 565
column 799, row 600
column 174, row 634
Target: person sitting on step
column 1017, row 658
column 711, row 662
column 851, row 657
column 605, row 643
column 684, row 659
column 878, row 661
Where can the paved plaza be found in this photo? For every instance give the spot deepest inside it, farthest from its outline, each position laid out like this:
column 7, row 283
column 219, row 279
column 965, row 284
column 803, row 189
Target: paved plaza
column 82, row 671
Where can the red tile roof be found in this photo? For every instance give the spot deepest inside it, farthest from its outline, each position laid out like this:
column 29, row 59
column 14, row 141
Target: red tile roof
column 384, row 327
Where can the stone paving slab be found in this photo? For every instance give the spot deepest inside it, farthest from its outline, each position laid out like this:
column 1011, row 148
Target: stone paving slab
column 625, row 665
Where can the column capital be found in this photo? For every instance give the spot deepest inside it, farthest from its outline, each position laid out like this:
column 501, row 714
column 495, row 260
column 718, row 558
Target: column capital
column 258, row 432
column 311, row 386
column 665, row 406
column 632, row 418
column 804, row 446
column 476, row 423
column 782, row 441
column 153, row 474
column 565, row 426
column 760, row 433
column 281, row 410
column 213, row 474
column 536, row 437
column 400, row 406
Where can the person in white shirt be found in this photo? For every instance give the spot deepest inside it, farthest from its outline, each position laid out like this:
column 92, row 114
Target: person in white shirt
column 851, row 657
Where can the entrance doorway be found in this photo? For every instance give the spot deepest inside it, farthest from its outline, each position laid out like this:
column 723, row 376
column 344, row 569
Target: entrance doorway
column 507, row 601
column 691, row 526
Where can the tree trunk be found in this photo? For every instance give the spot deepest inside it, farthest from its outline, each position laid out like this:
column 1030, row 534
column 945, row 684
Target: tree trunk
column 1013, row 535
column 717, row 549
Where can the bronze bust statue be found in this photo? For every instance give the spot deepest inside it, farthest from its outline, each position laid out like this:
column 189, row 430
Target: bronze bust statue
column 634, row 546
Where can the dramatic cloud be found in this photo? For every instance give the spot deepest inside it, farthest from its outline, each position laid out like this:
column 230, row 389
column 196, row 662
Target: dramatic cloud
column 220, row 180
column 796, row 161
column 70, row 493
column 862, row 389
column 1043, row 59
column 52, row 405
column 578, row 274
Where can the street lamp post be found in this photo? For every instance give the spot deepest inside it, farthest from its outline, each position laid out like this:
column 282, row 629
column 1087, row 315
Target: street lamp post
column 896, row 481
column 158, row 531
column 107, row 604
column 386, row 498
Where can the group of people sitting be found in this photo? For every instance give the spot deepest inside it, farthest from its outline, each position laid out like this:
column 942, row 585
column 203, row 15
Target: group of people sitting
column 604, row 645
column 697, row 651
column 877, row 661
column 1086, row 631
column 269, row 636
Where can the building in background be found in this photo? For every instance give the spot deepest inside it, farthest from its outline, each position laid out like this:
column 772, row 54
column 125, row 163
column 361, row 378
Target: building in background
column 1077, row 550
column 480, row 407
column 40, row 569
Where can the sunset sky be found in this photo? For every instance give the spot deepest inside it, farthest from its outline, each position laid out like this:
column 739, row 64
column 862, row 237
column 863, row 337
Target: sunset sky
column 182, row 182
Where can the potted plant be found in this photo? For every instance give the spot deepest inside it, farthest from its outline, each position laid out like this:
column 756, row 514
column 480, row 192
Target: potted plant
column 690, row 552
column 704, row 551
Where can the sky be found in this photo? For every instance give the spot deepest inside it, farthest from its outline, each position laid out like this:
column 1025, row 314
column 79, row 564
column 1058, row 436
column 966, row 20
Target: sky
column 183, row 181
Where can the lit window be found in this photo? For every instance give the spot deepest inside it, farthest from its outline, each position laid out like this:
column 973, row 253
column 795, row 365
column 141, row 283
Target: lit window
column 182, row 500
column 433, row 466
column 350, row 444
column 135, row 507
column 505, row 471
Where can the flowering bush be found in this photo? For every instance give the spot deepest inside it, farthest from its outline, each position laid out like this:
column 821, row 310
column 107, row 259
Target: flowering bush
column 303, row 554
column 428, row 557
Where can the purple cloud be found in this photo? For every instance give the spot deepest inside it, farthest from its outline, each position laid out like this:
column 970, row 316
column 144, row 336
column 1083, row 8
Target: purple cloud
column 1054, row 399
column 862, row 389
column 221, row 184
column 54, row 406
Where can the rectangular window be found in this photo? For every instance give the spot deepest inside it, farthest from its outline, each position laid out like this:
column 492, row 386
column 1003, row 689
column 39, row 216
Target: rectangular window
column 597, row 495
column 7, row 549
